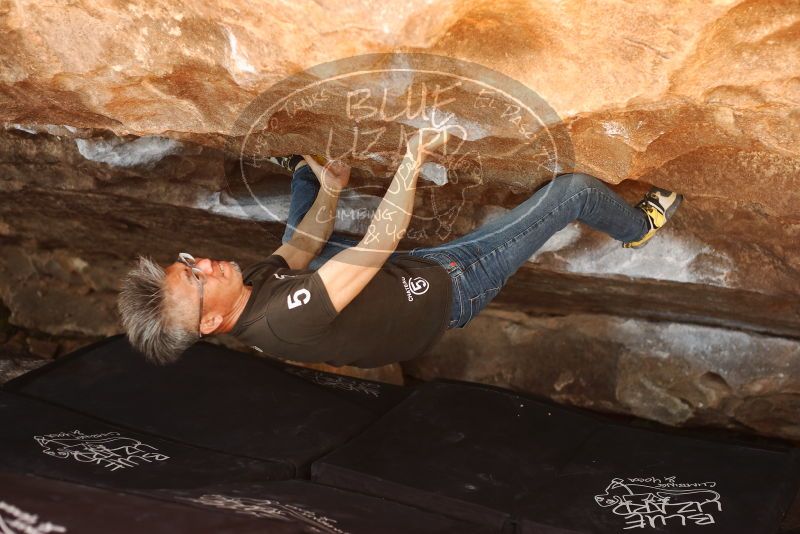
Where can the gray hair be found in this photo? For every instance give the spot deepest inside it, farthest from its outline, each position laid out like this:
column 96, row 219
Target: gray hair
column 154, row 321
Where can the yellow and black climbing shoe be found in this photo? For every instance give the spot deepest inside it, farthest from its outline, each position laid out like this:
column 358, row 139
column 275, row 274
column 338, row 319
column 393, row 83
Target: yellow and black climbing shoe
column 659, row 205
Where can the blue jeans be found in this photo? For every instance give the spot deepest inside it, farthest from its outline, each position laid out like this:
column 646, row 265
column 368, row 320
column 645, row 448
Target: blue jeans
column 480, row 263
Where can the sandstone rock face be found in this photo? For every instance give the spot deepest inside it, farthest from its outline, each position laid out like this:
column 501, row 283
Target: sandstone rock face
column 674, row 373
column 124, row 124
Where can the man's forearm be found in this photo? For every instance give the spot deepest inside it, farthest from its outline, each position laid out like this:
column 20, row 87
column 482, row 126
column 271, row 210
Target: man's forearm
column 347, row 273
column 316, row 227
column 391, row 219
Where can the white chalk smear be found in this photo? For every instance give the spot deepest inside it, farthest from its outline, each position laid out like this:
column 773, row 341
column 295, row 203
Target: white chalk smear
column 457, row 126
column 615, row 129
column 434, row 172
column 667, row 257
column 353, row 214
column 21, row 128
column 560, row 240
column 120, row 153
column 239, row 59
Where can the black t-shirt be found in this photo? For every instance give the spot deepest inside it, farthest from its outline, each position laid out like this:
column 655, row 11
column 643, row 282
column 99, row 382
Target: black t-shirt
column 401, row 313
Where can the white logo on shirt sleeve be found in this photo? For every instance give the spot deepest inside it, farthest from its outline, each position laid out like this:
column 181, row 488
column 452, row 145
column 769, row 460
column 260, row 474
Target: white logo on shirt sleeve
column 300, row 297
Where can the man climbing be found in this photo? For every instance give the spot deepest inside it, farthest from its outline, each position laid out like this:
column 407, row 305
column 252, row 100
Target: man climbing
column 365, row 305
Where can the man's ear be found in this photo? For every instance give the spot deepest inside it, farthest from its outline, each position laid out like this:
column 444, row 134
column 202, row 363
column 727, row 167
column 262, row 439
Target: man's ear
column 210, row 323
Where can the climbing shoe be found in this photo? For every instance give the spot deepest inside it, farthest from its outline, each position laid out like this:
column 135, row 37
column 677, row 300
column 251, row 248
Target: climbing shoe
column 287, row 162
column 659, row 205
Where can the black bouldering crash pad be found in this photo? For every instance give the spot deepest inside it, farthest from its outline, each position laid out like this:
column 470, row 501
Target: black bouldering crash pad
column 459, row 450
column 37, row 505
column 487, row 455
column 213, row 397
column 377, row 397
column 224, row 432
column 628, row 479
column 292, row 507
column 50, row 441
column 325, row 508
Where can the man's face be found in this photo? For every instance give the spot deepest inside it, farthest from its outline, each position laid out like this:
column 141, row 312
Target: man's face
column 222, row 285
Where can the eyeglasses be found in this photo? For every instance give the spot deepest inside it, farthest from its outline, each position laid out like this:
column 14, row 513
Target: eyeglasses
column 198, row 275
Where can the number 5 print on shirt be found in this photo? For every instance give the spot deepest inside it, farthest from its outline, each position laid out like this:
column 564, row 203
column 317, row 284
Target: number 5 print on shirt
column 300, row 297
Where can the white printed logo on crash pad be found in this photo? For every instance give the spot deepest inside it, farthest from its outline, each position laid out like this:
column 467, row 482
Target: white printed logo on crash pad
column 338, row 382
column 415, row 286
column 13, row 521
column 271, row 509
column 110, row 450
column 655, row 502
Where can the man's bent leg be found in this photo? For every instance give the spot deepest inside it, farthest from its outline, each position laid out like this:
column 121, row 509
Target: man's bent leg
column 304, row 189
column 481, row 262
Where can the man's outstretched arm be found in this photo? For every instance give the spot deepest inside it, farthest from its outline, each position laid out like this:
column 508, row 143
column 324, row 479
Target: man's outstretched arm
column 347, row 273
column 316, row 227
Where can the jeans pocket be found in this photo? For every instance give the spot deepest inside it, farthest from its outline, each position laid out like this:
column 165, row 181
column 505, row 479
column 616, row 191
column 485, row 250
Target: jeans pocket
column 447, row 261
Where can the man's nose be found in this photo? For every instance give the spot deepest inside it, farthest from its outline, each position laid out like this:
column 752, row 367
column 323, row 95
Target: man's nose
column 204, row 264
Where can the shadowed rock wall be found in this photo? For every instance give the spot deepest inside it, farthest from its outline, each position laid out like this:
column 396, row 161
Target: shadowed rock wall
column 117, row 116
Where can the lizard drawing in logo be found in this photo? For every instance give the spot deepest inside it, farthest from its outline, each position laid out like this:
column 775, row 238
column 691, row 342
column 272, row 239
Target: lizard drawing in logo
column 464, row 174
column 640, row 498
column 109, row 449
column 80, row 445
